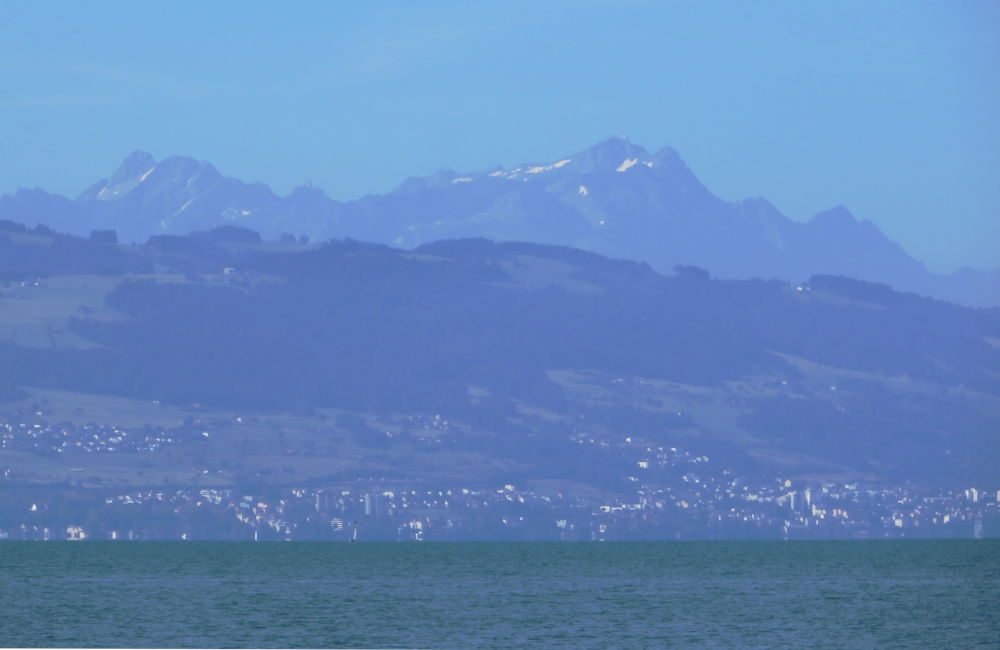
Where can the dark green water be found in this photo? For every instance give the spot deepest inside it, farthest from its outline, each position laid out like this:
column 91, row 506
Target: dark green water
column 907, row 594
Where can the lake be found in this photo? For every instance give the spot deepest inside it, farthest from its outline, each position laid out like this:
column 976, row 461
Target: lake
column 851, row 594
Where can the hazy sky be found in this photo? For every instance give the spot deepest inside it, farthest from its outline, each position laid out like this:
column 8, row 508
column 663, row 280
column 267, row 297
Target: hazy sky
column 887, row 107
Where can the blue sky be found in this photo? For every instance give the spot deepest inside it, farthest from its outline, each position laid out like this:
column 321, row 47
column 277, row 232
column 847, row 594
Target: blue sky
column 887, row 107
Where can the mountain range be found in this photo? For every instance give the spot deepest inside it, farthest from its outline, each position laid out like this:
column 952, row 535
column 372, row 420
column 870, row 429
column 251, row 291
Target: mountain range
column 616, row 199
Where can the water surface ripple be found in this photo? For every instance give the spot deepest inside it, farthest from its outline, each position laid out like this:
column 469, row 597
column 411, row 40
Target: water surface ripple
column 884, row 594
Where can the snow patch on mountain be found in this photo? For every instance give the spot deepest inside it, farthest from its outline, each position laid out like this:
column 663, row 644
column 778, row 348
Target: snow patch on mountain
column 545, row 168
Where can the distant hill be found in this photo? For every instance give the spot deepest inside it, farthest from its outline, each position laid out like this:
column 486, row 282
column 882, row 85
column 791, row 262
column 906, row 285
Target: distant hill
column 615, row 198
column 513, row 341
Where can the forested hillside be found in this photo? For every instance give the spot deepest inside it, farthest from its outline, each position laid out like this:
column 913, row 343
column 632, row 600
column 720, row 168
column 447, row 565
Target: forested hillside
column 515, row 340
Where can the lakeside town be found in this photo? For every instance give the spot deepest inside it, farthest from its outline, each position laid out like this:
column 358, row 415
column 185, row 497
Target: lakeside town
column 671, row 493
column 706, row 510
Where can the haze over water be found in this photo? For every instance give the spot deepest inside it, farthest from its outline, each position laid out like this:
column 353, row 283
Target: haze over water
column 379, row 267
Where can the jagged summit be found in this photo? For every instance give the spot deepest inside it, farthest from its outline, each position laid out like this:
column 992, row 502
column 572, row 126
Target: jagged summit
column 135, row 164
column 140, row 175
column 613, row 154
column 615, row 198
column 836, row 217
